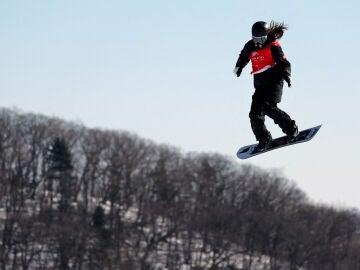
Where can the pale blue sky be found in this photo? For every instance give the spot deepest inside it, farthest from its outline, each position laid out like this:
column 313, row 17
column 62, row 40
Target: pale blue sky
column 163, row 69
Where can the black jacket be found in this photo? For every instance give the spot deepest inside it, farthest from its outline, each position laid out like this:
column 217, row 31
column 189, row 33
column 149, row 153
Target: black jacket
column 270, row 82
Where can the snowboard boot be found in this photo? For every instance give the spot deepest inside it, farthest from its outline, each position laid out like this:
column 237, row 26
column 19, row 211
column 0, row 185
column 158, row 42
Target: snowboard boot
column 292, row 131
column 263, row 144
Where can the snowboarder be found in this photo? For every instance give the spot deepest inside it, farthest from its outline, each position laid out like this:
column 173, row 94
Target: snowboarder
column 270, row 68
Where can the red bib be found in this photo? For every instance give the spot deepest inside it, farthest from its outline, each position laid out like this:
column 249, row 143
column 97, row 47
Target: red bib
column 262, row 59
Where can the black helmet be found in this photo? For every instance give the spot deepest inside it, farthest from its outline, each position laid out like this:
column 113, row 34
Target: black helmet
column 259, row 32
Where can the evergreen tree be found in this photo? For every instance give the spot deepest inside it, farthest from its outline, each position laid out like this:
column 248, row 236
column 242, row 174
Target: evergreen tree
column 61, row 167
column 60, row 156
column 100, row 222
column 99, row 219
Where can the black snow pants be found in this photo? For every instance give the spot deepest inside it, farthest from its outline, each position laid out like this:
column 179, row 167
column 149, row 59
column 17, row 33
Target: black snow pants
column 266, row 105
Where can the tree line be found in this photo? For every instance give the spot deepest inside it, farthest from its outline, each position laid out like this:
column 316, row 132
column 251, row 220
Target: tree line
column 72, row 197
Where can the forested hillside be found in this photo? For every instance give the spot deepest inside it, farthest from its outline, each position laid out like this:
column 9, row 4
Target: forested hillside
column 78, row 198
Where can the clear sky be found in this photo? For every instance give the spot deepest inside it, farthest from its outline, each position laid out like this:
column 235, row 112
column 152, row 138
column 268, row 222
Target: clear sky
column 163, row 69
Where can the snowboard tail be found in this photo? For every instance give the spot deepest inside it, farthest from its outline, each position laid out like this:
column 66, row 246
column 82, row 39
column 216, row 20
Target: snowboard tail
column 303, row 136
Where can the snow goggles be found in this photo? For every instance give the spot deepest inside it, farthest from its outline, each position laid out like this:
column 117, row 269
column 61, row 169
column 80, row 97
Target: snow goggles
column 260, row 40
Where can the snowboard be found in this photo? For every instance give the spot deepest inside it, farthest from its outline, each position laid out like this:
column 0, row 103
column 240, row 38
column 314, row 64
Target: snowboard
column 303, row 136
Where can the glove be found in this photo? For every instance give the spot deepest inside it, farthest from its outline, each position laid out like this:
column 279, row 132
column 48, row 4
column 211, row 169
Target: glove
column 288, row 81
column 237, row 71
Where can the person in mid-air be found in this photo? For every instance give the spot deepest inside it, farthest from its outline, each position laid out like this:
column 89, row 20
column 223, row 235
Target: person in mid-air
column 270, row 68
